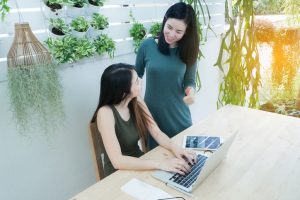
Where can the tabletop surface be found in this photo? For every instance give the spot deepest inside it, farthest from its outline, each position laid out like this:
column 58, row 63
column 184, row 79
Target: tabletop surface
column 262, row 163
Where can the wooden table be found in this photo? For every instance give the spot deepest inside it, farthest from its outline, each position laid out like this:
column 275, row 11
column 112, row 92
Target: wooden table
column 262, row 163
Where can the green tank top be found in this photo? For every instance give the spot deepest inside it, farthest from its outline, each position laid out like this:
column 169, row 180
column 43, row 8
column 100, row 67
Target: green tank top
column 128, row 137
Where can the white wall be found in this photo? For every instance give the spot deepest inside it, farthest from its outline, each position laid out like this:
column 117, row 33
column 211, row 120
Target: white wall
column 60, row 165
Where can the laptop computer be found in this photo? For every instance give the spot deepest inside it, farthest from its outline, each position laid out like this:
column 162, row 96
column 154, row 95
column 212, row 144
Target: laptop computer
column 199, row 171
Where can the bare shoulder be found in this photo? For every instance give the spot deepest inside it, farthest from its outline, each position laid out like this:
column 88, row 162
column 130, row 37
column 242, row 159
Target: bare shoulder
column 105, row 112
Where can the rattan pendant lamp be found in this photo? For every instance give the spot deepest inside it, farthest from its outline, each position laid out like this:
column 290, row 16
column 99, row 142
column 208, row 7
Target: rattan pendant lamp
column 26, row 49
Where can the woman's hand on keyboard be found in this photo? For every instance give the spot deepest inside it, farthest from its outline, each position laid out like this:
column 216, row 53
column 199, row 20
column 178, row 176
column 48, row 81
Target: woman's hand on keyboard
column 175, row 165
column 187, row 155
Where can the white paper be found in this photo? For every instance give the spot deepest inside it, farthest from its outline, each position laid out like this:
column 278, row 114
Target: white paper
column 143, row 191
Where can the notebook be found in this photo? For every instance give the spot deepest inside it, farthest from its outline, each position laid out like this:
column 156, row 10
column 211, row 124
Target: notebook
column 199, row 171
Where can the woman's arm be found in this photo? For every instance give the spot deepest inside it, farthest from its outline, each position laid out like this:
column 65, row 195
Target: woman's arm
column 163, row 140
column 190, row 84
column 106, row 123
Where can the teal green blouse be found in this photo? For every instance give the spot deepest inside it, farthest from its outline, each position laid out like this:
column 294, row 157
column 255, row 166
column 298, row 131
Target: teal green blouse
column 166, row 79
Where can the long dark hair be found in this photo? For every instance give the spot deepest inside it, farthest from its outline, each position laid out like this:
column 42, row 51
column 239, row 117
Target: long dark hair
column 188, row 45
column 115, row 86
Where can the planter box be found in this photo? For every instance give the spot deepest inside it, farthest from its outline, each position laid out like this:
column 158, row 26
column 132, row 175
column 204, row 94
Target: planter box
column 92, row 9
column 94, row 33
column 79, row 34
column 74, row 12
column 51, row 34
column 53, row 13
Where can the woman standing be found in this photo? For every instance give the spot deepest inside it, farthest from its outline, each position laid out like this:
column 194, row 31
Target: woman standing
column 170, row 65
column 123, row 119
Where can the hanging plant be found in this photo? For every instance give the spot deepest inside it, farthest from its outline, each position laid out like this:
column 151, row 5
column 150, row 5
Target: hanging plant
column 105, row 44
column 35, row 96
column 4, row 9
column 241, row 70
column 202, row 14
column 33, row 83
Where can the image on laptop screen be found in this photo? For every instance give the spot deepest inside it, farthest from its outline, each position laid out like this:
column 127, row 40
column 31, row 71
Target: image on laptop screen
column 202, row 142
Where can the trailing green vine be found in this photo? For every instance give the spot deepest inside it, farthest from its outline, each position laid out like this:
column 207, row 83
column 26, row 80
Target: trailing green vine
column 201, row 10
column 35, row 97
column 241, row 68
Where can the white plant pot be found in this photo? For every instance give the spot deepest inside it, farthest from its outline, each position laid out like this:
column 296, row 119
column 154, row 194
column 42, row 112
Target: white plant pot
column 49, row 13
column 75, row 12
column 92, row 9
column 51, row 34
column 94, row 33
column 79, row 34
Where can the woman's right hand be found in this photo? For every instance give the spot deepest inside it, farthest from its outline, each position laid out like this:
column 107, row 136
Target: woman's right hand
column 175, row 165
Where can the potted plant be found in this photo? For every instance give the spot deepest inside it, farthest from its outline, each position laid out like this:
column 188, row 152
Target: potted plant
column 79, row 26
column 76, row 8
column 99, row 22
column 53, row 8
column 84, row 49
column 36, row 97
column 58, row 27
column 155, row 29
column 4, row 9
column 138, row 33
column 105, row 44
column 94, row 6
column 62, row 49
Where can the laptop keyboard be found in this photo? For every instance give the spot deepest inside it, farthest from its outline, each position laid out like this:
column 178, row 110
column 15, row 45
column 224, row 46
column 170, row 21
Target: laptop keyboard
column 188, row 179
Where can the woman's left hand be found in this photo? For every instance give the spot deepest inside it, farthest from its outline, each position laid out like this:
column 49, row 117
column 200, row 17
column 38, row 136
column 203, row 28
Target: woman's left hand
column 190, row 96
column 188, row 155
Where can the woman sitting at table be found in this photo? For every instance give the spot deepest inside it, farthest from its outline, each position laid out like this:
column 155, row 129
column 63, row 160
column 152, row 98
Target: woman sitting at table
column 123, row 119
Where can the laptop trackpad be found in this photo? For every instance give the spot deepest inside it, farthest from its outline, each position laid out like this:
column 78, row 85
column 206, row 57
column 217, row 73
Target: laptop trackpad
column 162, row 175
